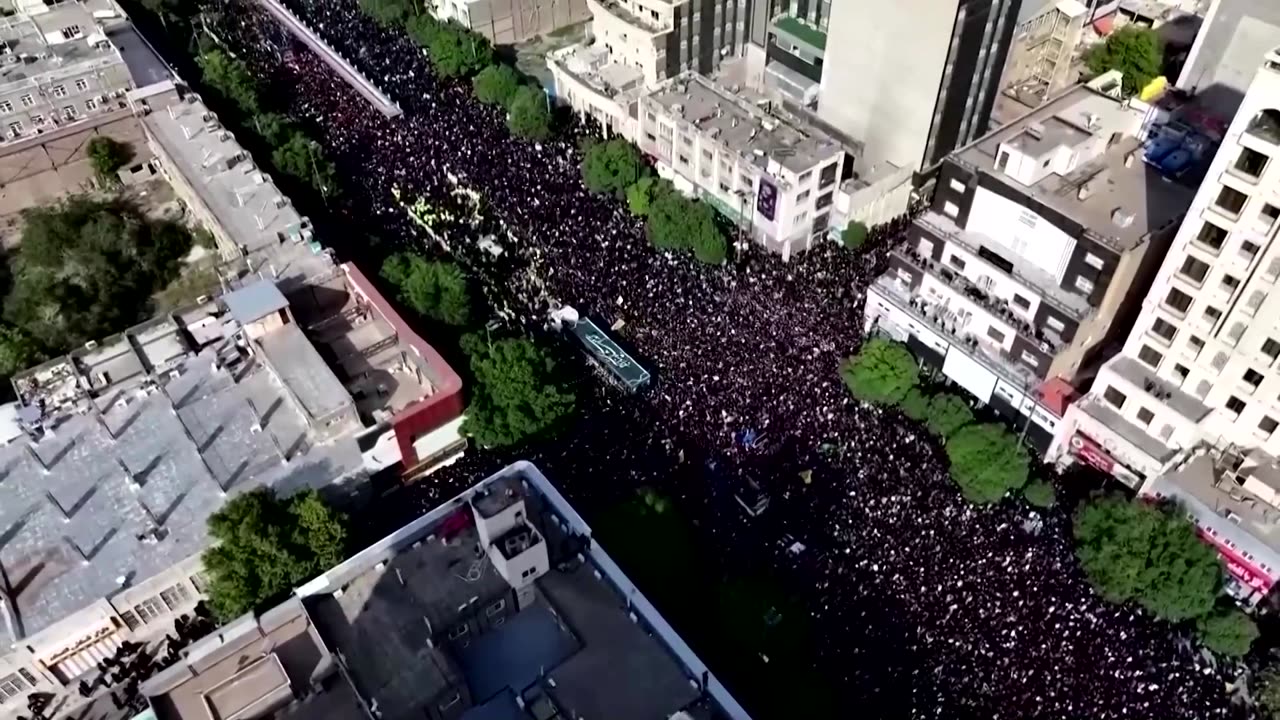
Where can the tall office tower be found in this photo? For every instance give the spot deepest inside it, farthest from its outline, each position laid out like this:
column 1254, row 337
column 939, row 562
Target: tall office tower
column 914, row 79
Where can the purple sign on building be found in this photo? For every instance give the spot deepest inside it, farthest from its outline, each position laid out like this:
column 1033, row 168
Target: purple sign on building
column 767, row 200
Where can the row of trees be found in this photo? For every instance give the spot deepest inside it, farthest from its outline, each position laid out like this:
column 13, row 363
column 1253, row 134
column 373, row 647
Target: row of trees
column 456, row 52
column 293, row 152
column 987, row 461
column 672, row 221
column 1131, row 551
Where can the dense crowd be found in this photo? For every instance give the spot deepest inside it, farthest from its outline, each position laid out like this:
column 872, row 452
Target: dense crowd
column 926, row 606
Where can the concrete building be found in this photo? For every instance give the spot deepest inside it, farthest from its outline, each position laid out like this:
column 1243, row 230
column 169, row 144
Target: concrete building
column 1198, row 367
column 1025, row 266
column 776, row 176
column 1224, row 57
column 912, row 102
column 1044, row 48
column 497, row 604
column 507, row 22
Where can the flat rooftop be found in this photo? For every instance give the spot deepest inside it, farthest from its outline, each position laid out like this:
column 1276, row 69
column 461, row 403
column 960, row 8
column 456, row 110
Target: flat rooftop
column 1253, row 519
column 1147, row 198
column 119, row 480
column 66, row 39
column 592, row 65
column 572, row 646
column 745, row 127
column 241, row 197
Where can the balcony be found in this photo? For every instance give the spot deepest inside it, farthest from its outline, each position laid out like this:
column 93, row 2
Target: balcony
column 800, row 33
column 1265, row 126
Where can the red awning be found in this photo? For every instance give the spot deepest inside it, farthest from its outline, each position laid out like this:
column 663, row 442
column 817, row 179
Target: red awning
column 1057, row 394
column 1104, row 25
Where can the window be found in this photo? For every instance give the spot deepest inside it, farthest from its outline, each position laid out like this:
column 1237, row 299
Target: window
column 956, row 261
column 1230, row 283
column 6, row 106
column 1231, row 201
column 12, row 686
column 15, row 129
column 82, row 84
column 1054, row 324
column 69, row 113
column 995, row 334
column 1145, row 416
column 1252, row 378
column 706, row 154
column 91, row 104
column 496, row 608
column 1202, row 388
column 1235, row 405
column 1093, row 261
column 1212, row 236
column 37, row 121
column 801, row 216
column 529, row 573
column 459, row 631
column 1030, row 359
column 824, row 200
column 71, row 32
column 950, row 209
column 1180, row 371
column 1249, row 250
column 1268, row 425
column 1149, row 356
column 175, row 596
column 724, row 187
column 1251, row 162
column 1267, row 215
column 200, row 582
column 1002, row 161
column 958, row 186
column 805, row 177
column 58, row 91
column 149, row 609
column 1084, row 284
column 683, row 159
column 1178, row 301
column 1194, row 269
column 1164, row 329
column 1212, row 314
column 1021, row 302
column 802, row 196
column 1114, row 397
column 130, row 620
column 27, row 100
column 1195, row 343
column 828, row 175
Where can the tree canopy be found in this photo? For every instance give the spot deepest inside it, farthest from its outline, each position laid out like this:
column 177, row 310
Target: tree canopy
column 611, row 166
column 1134, row 51
column 987, row 461
column 302, row 158
column 643, row 192
column 527, row 115
column 18, row 350
column 87, row 268
column 230, row 77
column 882, row 372
column 267, row 545
column 947, row 414
column 915, row 404
column 107, row 155
column 388, row 12
column 1146, row 553
column 1227, row 631
column 516, row 393
column 854, row 235
column 1266, row 691
column 454, row 50
column 433, row 289
column 1040, row 494
column 496, row 85
column 677, row 223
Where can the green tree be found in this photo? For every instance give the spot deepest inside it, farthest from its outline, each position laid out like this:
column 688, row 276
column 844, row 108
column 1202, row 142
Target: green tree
column 1146, row 553
column 1040, row 494
column 168, row 10
column 677, row 223
column 266, row 545
column 882, row 372
column 853, row 235
column 611, row 166
column 708, row 243
column 457, row 52
column 423, row 29
column 389, row 12
column 947, row 414
column 642, row 194
column 495, row 85
column 527, row 115
column 274, row 128
column 437, row 290
column 231, row 78
column 1266, row 691
column 987, row 462
column 915, row 404
column 302, row 158
column 516, row 393
column 87, row 268
column 1134, row 51
column 18, row 350
column 107, row 155
column 1227, row 631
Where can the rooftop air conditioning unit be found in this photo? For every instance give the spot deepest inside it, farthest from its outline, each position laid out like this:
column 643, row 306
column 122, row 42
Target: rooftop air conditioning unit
column 1035, row 130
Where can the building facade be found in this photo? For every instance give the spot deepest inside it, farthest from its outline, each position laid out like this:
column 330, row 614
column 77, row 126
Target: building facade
column 1199, row 366
column 1018, row 275
column 1044, row 49
column 507, row 22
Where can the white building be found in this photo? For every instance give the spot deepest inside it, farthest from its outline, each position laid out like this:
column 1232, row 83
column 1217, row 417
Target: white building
column 1199, row 365
column 1037, row 236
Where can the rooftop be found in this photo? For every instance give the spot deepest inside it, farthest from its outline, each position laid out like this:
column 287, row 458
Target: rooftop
column 593, row 65
column 1253, row 515
column 1228, row 50
column 745, row 127
column 1090, row 137
column 64, row 39
column 424, row 618
column 127, row 447
column 801, row 30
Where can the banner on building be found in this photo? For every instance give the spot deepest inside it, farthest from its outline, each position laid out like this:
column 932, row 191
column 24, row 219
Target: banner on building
column 767, row 200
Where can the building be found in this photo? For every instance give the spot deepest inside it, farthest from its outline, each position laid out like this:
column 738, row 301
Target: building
column 767, row 170
column 789, row 44
column 1044, row 48
column 912, row 103
column 1224, row 57
column 1199, row 366
column 64, row 71
column 1025, row 267
column 507, row 22
column 497, row 604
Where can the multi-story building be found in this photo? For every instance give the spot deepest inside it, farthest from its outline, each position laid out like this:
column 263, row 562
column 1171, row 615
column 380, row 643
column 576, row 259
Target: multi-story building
column 1224, row 57
column 788, row 46
column 1199, row 366
column 776, row 176
column 1025, row 266
column 497, row 604
column 507, row 22
column 1044, row 48
column 912, row 103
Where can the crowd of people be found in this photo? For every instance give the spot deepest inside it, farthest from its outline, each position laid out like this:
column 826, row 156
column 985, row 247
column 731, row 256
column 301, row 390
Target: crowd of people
column 927, row 606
